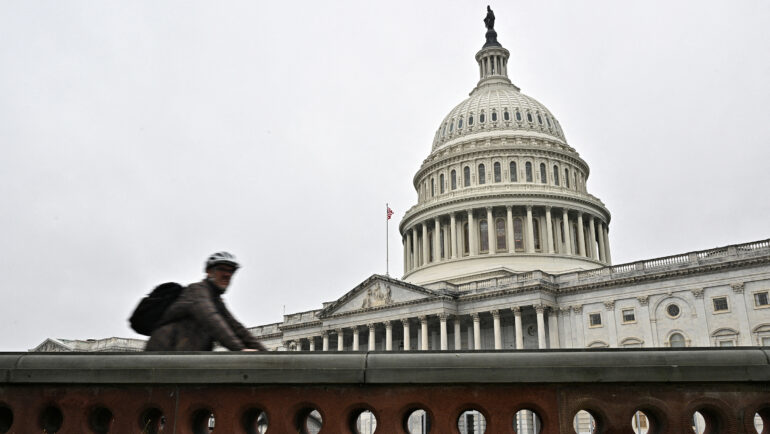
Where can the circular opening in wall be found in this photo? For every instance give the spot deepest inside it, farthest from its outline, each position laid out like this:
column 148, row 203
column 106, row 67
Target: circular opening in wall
column 51, row 419
column 585, row 422
column 526, row 422
column 255, row 421
column 673, row 311
column 100, row 420
column 309, row 421
column 707, row 421
column 761, row 420
column 417, row 422
column 152, row 421
column 365, row 422
column 6, row 419
column 641, row 424
column 472, row 422
column 203, row 421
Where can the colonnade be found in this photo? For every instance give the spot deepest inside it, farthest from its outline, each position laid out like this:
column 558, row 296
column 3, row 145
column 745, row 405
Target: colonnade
column 420, row 339
column 519, row 230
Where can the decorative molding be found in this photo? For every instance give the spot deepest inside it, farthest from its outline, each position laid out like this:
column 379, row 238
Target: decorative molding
column 371, row 326
column 475, row 317
column 578, row 308
column 388, row 324
column 495, row 313
column 377, row 296
column 423, row 319
column 697, row 292
column 516, row 310
column 539, row 308
column 442, row 317
column 405, row 322
column 738, row 287
column 609, row 305
column 643, row 299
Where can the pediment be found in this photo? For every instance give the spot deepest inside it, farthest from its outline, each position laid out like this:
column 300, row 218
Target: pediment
column 377, row 292
column 51, row 346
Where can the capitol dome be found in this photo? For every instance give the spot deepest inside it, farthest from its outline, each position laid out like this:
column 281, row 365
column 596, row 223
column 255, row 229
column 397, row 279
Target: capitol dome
column 501, row 191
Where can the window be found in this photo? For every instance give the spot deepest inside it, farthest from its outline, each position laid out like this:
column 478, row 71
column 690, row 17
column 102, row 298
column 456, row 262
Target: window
column 500, row 234
column 528, row 170
column 430, row 246
column 518, row 234
column 548, row 120
column 483, row 236
column 631, row 343
column 518, row 116
column 761, row 299
column 482, row 174
column 673, row 310
column 506, row 116
column 566, row 178
column 677, row 340
column 720, row 304
column 512, row 168
column 539, row 119
column 543, row 175
column 498, row 172
column 460, row 123
column 594, row 320
column 482, row 118
column 629, row 316
column 441, row 183
column 441, row 243
column 494, row 116
column 470, row 120
column 536, row 233
column 454, row 179
column 466, row 244
column 766, row 341
column 725, row 337
column 529, row 117
column 556, row 175
column 452, row 126
column 467, row 176
column 726, row 343
column 432, row 187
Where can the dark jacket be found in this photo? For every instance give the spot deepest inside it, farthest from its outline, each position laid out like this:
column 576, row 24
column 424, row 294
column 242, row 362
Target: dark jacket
column 197, row 319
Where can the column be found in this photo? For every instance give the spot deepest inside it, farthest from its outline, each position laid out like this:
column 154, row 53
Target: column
column 517, row 323
column 581, row 235
column 472, row 249
column 453, row 229
column 372, row 342
column 553, row 327
column 425, row 244
column 509, row 227
column 388, row 336
column 607, row 244
column 644, row 317
column 569, row 329
column 496, row 326
column 469, row 330
column 530, row 244
column 406, row 265
column 741, row 310
column 549, row 229
column 476, row 331
column 312, row 343
column 442, row 320
column 600, row 232
column 424, row 332
column 539, row 308
column 356, row 344
column 407, row 336
column 458, row 338
column 490, row 231
column 436, row 240
column 592, row 238
column 565, row 231
column 415, row 262
column 340, row 340
column 611, row 324
column 580, row 329
column 325, row 336
column 447, row 249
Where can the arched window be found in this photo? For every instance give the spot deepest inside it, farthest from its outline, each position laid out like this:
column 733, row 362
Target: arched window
column 506, row 116
column 498, row 174
column 529, row 117
column 430, row 245
column 518, row 235
column 518, row 115
column 676, row 340
column 536, row 233
column 528, row 170
column 432, row 187
column 566, row 178
column 483, row 236
column 548, row 121
column 543, row 174
column 467, row 176
column 539, row 119
column 470, row 120
column 556, row 174
column 514, row 174
column 494, row 116
column 574, row 235
column 460, row 123
column 500, row 234
column 466, row 242
column 454, row 179
column 441, row 183
column 482, row 118
column 441, row 243
column 452, row 126
column 482, row 174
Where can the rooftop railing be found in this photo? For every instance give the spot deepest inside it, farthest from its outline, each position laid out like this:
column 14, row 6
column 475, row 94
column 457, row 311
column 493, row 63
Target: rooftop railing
column 436, row 392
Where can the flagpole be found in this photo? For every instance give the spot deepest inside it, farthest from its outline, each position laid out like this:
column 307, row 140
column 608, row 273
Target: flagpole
column 387, row 250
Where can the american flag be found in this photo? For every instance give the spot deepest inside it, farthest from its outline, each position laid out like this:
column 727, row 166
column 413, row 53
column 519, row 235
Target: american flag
column 390, row 212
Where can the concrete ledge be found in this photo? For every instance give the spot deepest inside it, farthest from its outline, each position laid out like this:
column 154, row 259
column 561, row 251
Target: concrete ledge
column 704, row 365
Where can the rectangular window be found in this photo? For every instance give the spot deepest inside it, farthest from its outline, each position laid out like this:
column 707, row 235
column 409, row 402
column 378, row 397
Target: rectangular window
column 629, row 316
column 720, row 304
column 729, row 343
column 760, row 299
column 595, row 320
column 766, row 341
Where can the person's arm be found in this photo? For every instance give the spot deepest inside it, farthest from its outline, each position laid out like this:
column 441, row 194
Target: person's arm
column 204, row 311
column 248, row 339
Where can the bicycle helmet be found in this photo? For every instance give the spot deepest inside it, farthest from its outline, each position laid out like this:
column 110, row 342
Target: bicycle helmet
column 221, row 258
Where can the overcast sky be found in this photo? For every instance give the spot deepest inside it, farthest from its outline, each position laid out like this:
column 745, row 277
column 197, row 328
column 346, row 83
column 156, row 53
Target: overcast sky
column 138, row 137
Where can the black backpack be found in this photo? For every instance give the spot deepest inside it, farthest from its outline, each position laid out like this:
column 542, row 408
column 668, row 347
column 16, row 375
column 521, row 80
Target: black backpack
column 148, row 313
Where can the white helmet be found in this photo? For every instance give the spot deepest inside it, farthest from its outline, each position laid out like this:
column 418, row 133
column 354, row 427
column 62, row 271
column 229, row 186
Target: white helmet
column 221, row 258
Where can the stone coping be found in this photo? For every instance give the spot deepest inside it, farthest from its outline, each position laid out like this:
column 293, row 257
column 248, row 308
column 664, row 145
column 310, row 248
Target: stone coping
column 703, row 365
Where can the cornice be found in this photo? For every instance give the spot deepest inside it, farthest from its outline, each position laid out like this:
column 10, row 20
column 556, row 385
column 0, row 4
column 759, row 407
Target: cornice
column 541, row 286
column 300, row 325
column 390, row 306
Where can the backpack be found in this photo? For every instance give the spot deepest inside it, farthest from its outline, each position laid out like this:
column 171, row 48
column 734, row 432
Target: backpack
column 148, row 313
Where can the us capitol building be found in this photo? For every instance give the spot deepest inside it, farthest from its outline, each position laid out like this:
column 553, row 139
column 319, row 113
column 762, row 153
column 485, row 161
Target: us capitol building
column 506, row 249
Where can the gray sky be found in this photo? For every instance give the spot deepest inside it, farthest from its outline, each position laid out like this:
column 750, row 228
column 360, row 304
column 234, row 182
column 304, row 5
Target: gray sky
column 140, row 136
